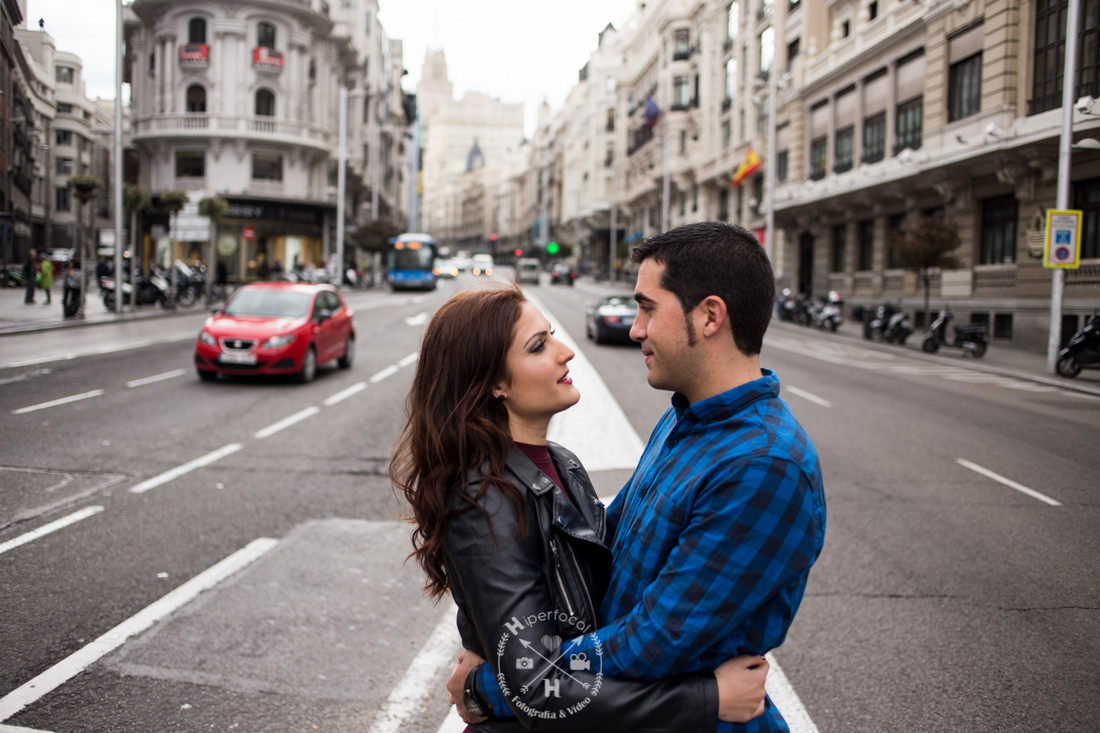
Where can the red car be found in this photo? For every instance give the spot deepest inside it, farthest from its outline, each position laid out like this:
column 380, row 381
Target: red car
column 277, row 328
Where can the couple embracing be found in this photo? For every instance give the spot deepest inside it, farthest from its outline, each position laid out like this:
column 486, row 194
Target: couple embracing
column 651, row 615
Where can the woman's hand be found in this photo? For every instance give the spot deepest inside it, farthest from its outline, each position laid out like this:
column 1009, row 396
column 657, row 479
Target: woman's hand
column 741, row 688
column 467, row 661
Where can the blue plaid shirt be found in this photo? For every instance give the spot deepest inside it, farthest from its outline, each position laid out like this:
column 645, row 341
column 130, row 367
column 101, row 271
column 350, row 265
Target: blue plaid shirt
column 714, row 537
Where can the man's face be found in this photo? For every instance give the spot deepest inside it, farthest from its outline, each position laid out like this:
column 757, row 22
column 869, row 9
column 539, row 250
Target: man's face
column 665, row 333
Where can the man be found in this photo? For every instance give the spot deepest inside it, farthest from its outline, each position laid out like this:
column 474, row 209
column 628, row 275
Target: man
column 716, row 531
column 30, row 270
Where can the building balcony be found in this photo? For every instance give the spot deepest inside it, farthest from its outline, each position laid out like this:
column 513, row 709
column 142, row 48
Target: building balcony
column 199, row 126
column 267, row 59
column 194, row 56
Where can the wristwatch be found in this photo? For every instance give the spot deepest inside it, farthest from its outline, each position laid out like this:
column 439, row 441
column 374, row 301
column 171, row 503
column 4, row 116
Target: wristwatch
column 470, row 699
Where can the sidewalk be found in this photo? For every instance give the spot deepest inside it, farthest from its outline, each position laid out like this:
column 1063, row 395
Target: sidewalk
column 18, row 317
column 15, row 317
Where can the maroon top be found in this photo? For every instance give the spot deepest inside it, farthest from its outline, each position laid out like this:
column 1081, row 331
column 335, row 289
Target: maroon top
column 540, row 456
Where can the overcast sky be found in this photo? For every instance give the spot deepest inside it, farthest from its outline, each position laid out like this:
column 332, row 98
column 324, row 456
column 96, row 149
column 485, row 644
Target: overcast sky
column 515, row 50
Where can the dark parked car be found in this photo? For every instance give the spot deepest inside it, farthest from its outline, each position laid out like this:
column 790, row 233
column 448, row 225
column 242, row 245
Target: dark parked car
column 610, row 319
column 277, row 328
column 562, row 274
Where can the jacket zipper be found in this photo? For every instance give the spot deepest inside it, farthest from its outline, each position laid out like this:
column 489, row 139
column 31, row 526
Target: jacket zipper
column 561, row 581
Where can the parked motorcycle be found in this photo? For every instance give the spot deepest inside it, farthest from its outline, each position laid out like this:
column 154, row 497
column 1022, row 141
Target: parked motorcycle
column 190, row 284
column 890, row 324
column 829, row 313
column 784, row 305
column 1083, row 349
column 970, row 337
column 150, row 289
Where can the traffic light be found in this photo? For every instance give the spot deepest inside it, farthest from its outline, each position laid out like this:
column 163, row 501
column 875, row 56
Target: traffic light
column 552, row 248
column 519, row 252
column 492, row 237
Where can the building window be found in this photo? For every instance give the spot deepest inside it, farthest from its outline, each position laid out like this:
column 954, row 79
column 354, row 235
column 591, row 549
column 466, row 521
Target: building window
column 64, row 108
column 265, row 35
column 964, row 88
column 782, row 159
column 998, row 231
column 1086, row 197
column 909, row 122
column 1050, row 37
column 727, row 134
column 265, row 103
column 64, row 166
column 65, row 74
column 190, row 164
column 62, row 199
column 792, row 52
column 681, row 92
column 731, row 81
column 681, row 48
column 866, row 245
column 840, row 247
column 767, row 49
column 733, row 20
column 874, row 138
column 196, row 31
column 724, row 204
column 196, row 98
column 152, row 62
column 819, row 156
column 1002, row 325
column 267, row 167
column 895, row 225
column 845, row 147
column 872, row 10
column 63, row 137
column 610, row 125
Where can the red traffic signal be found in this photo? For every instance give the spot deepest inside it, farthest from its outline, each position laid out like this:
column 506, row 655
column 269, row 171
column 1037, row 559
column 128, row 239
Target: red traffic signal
column 519, row 252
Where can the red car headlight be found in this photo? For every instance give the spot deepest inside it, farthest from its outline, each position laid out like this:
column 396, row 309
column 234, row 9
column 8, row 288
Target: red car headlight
column 278, row 342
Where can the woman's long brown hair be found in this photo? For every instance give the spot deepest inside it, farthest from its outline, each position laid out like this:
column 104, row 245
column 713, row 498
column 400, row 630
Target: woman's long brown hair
column 454, row 423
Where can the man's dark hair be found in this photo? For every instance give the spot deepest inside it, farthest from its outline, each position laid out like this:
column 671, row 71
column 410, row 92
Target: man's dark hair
column 716, row 258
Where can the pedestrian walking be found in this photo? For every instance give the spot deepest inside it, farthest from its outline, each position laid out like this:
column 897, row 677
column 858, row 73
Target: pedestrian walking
column 29, row 273
column 45, row 277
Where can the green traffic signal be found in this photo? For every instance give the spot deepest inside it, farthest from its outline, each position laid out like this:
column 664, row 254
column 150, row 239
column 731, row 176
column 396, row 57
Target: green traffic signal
column 552, row 248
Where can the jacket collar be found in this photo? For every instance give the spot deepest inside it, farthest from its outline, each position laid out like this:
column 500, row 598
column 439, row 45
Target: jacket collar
column 582, row 519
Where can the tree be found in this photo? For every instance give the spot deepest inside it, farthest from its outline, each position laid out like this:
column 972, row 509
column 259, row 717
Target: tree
column 85, row 189
column 373, row 235
column 135, row 199
column 213, row 208
column 172, row 202
column 928, row 245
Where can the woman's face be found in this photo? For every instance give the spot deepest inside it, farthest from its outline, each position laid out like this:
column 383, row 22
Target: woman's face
column 537, row 385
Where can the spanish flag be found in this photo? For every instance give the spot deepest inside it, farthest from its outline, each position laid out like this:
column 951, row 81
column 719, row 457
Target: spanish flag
column 748, row 166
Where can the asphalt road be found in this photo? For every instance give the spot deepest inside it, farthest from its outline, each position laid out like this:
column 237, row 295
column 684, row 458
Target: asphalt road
column 233, row 558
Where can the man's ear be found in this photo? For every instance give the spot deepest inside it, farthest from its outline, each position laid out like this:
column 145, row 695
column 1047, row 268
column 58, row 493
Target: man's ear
column 713, row 310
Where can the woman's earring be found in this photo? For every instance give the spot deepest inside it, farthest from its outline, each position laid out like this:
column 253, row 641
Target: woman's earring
column 500, row 398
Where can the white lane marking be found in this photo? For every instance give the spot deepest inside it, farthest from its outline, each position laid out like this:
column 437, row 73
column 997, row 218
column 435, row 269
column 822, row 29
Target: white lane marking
column 781, row 692
column 387, row 372
column 155, row 378
column 61, row 401
column 586, row 427
column 410, row 359
column 48, row 528
column 418, row 320
column 408, row 696
column 18, row 729
column 808, row 396
column 43, row 360
column 1007, row 482
column 178, row 471
column 344, row 394
column 25, row 376
column 81, row 659
column 124, row 347
column 286, row 422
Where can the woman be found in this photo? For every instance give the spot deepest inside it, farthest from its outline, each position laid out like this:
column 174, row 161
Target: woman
column 512, row 527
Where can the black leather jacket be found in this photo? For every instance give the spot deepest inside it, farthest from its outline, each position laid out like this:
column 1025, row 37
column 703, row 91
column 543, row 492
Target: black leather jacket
column 519, row 598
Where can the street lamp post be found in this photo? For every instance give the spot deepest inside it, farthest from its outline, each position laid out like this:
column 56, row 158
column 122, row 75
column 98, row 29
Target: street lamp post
column 1065, row 151
column 341, row 182
column 117, row 145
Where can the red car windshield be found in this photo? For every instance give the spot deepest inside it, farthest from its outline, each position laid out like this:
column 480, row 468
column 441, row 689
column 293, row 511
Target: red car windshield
column 269, row 303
